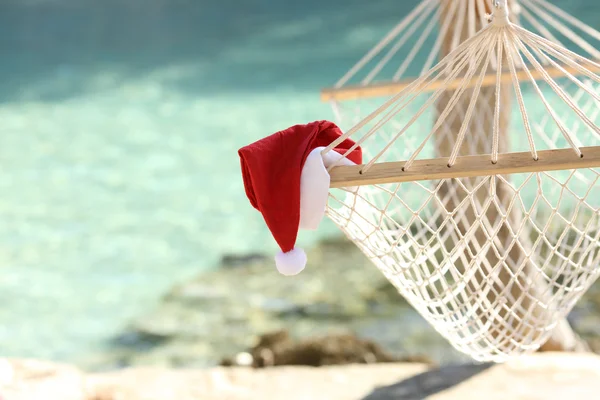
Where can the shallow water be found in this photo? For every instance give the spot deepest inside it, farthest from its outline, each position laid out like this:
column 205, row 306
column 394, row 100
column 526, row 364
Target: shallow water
column 119, row 126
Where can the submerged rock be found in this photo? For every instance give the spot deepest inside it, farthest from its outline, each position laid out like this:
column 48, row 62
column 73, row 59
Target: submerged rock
column 279, row 348
column 224, row 311
column 236, row 260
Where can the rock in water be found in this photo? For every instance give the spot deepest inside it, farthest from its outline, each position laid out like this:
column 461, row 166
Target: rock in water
column 279, row 349
column 233, row 260
column 222, row 312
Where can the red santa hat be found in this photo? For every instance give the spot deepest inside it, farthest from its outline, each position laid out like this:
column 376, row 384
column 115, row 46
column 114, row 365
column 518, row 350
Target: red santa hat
column 286, row 179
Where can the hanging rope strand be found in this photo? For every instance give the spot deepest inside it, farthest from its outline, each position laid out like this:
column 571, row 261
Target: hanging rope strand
column 448, row 19
column 563, row 50
column 512, row 43
column 562, row 55
column 519, row 96
column 462, row 52
column 481, row 7
column 471, row 18
column 540, row 27
column 401, row 42
column 430, row 101
column 562, row 28
column 557, row 89
column 572, row 78
column 416, row 83
column 384, row 42
column 460, row 23
column 417, row 46
column 450, row 106
column 569, row 18
column 496, row 132
column 467, row 120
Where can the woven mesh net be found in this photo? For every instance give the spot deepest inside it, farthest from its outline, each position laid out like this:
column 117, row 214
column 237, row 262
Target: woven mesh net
column 494, row 263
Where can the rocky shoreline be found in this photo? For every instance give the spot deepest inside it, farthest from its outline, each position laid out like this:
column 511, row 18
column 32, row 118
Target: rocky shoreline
column 340, row 308
column 224, row 312
column 243, row 332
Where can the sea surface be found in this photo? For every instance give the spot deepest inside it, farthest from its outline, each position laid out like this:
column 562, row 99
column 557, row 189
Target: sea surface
column 119, row 128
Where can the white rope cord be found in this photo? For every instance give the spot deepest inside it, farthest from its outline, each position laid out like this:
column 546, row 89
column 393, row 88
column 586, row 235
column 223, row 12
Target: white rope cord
column 430, row 101
column 387, row 104
column 568, row 136
column 464, row 54
column 384, row 42
column 414, row 89
column 455, row 97
column 572, row 78
column 545, row 32
column 471, row 21
column 549, row 136
column 492, row 263
column 561, row 93
column 402, row 41
column 511, row 39
column 543, row 17
column 496, row 131
column 404, row 31
column 448, row 22
column 483, row 17
column 459, row 24
column 417, row 46
column 569, row 58
column 519, row 96
column 562, row 28
column 447, row 110
column 539, row 26
column 568, row 18
column 463, row 129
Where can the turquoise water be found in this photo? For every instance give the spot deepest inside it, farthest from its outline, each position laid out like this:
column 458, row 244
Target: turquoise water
column 119, row 126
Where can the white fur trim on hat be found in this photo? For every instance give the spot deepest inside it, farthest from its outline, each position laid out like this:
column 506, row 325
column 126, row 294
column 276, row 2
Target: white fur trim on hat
column 314, row 190
column 314, row 186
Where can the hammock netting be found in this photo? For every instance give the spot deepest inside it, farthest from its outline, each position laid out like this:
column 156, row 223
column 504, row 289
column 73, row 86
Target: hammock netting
column 493, row 263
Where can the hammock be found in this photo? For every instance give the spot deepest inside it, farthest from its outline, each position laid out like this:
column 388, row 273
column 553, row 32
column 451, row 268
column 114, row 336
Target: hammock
column 492, row 240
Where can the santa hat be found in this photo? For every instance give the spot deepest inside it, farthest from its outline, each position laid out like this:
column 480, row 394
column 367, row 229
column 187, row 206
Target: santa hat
column 286, row 179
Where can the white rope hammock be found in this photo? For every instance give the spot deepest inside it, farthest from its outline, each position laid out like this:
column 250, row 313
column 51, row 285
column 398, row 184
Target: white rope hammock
column 492, row 248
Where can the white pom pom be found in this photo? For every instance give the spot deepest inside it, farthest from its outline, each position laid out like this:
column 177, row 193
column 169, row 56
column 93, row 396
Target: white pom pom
column 290, row 263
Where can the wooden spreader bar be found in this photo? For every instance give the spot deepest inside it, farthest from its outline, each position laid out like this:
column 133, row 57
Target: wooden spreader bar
column 386, row 89
column 465, row 167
